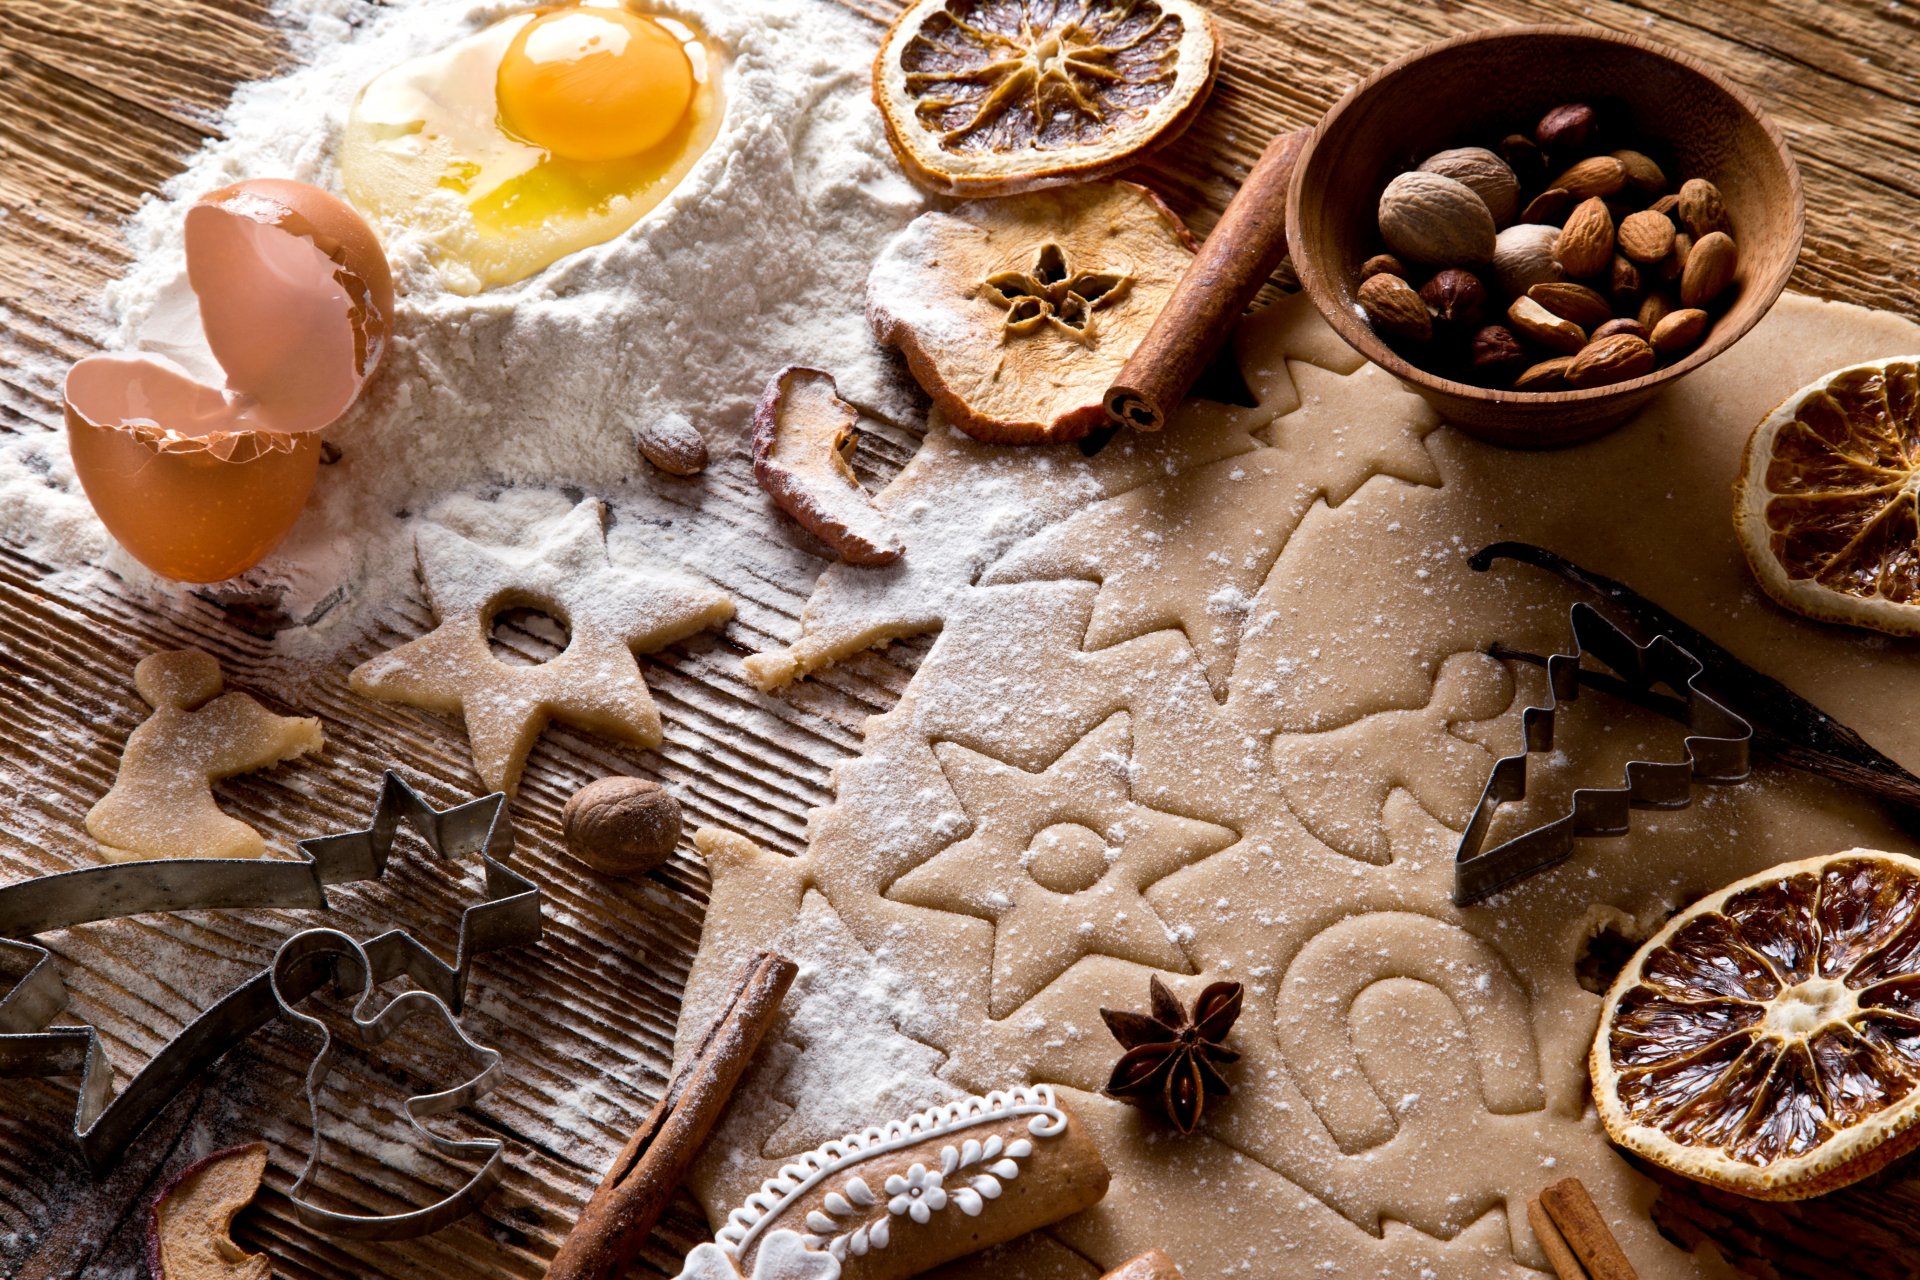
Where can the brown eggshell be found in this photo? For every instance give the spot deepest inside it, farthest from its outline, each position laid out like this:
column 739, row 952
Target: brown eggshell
column 179, row 506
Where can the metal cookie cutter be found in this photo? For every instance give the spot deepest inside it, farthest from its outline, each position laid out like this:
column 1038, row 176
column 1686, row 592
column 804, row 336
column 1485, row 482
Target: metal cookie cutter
column 1716, row 752
column 105, row 1123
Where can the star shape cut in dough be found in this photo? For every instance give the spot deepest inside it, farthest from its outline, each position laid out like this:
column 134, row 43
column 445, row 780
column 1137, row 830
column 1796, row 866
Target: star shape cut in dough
column 1059, row 861
column 1352, row 427
column 611, row 612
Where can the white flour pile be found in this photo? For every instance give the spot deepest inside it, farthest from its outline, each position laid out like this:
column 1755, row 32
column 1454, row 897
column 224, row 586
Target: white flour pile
column 757, row 260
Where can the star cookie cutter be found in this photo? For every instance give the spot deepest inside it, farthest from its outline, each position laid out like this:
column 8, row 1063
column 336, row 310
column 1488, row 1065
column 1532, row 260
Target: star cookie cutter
column 104, row 1122
column 1716, row 752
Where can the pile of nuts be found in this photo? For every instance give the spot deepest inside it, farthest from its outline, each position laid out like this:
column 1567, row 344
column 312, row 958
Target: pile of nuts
column 1602, row 271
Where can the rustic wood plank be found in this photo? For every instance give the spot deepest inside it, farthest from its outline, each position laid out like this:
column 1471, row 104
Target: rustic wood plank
column 106, row 98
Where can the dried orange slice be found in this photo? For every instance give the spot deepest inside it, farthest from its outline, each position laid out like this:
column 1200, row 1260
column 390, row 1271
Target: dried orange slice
column 1768, row 1039
column 993, row 97
column 1828, row 502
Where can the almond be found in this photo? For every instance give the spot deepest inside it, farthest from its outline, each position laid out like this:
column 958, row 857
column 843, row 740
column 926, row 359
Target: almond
column 1625, row 281
column 1676, row 260
column 1680, row 331
column 1701, row 210
column 1622, row 325
column 1585, row 246
column 1646, row 236
column 1383, row 264
column 1550, row 206
column 1573, row 302
column 1394, row 309
column 1709, row 269
column 1653, row 308
column 1545, row 376
column 1594, row 176
column 1534, row 322
column 1666, row 206
column 1643, row 175
column 1610, row 360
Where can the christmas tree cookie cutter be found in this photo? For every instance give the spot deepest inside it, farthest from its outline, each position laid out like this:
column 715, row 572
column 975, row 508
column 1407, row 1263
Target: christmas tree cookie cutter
column 105, row 1122
column 1715, row 751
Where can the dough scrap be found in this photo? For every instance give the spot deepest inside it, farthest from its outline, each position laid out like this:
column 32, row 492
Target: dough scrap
column 1412, row 1072
column 161, row 804
column 611, row 611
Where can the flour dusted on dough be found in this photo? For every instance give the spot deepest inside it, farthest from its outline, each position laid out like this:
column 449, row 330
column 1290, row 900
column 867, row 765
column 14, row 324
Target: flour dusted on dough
column 755, row 261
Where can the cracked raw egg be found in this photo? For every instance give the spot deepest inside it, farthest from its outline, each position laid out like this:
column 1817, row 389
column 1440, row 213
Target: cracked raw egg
column 198, row 452
column 545, row 133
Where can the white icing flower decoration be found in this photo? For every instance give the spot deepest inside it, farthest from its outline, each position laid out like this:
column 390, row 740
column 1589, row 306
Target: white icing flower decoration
column 783, row 1255
column 918, row 1193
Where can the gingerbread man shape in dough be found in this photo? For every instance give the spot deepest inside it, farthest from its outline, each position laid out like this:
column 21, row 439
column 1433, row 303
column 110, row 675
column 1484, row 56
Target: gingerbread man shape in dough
column 161, row 804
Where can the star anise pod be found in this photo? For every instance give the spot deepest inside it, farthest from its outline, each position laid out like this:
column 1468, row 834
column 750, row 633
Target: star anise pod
column 1172, row 1059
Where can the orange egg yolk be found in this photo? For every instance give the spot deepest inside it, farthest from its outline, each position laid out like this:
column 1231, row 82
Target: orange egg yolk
column 594, row 84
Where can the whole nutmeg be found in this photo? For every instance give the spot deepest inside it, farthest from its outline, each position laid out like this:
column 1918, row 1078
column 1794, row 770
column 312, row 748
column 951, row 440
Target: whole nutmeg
column 1624, row 324
column 1433, row 219
column 1394, row 309
column 1523, row 257
column 1456, row 298
column 1486, row 173
column 1567, row 127
column 621, row 825
column 1495, row 354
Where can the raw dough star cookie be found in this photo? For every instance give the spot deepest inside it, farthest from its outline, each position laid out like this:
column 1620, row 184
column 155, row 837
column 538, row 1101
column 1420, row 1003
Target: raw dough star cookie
column 611, row 612
column 161, row 804
column 1273, row 636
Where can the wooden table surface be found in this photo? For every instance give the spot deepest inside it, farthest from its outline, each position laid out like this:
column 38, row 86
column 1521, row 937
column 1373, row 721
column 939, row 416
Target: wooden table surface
column 103, row 100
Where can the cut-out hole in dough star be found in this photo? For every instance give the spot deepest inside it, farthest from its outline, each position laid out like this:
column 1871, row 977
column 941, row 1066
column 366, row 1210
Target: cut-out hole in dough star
column 611, row 612
column 1058, row 861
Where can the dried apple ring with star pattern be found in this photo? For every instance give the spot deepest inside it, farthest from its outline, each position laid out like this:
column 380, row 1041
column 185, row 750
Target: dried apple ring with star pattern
column 994, row 97
column 1767, row 1040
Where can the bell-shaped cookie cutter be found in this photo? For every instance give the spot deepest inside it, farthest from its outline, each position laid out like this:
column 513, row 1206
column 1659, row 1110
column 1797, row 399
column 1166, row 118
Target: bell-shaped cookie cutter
column 1716, row 751
column 105, row 1122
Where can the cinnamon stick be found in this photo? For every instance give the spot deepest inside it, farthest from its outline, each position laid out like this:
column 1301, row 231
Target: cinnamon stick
column 1553, row 1244
column 1219, row 284
column 642, row 1180
column 1585, row 1231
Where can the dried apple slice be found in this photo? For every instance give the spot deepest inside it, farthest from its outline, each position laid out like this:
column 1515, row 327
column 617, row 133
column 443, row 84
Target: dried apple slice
column 295, row 302
column 1017, row 314
column 189, row 1227
column 1767, row 1040
column 803, row 434
column 990, row 98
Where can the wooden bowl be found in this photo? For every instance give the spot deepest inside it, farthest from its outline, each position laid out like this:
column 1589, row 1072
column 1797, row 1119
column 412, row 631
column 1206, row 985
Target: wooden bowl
column 1476, row 89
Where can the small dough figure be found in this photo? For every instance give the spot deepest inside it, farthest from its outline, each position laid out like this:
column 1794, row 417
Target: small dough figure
column 161, row 804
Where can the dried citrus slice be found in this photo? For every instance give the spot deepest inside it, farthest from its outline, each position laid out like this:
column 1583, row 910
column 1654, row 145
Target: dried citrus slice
column 1828, row 502
column 1768, row 1039
column 992, row 97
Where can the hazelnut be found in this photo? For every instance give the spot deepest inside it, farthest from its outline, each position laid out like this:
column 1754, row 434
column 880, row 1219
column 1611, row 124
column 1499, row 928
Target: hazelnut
column 621, row 825
column 1568, row 127
column 1456, row 298
column 1383, row 264
column 1496, row 355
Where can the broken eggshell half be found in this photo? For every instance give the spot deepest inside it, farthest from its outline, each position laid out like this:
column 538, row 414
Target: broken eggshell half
column 198, row 453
